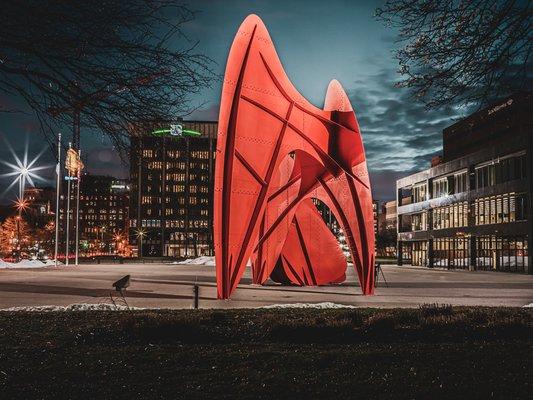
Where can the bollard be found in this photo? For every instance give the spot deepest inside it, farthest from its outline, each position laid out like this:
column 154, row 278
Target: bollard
column 196, row 291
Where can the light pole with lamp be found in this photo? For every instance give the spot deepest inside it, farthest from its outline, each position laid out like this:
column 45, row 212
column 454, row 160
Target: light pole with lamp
column 140, row 234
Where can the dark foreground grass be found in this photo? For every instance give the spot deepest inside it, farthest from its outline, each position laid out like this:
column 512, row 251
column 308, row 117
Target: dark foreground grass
column 432, row 352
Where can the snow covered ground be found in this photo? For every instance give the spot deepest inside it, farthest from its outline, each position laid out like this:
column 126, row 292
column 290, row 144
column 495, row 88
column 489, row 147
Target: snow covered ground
column 208, row 261
column 324, row 305
column 74, row 307
column 203, row 260
column 28, row 264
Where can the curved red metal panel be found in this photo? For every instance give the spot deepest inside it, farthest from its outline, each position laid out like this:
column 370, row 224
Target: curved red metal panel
column 262, row 195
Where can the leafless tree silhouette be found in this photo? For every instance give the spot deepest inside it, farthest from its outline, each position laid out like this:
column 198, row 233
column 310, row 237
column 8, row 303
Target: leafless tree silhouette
column 109, row 63
column 462, row 51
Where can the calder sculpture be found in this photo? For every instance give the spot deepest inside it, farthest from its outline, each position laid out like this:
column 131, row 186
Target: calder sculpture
column 276, row 152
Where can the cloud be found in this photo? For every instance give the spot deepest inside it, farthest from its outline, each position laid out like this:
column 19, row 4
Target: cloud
column 399, row 134
column 104, row 160
column 205, row 114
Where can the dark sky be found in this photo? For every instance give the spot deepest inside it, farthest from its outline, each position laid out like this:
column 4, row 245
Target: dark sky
column 316, row 41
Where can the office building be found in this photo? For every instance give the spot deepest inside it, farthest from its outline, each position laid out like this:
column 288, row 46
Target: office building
column 471, row 209
column 103, row 216
column 171, row 208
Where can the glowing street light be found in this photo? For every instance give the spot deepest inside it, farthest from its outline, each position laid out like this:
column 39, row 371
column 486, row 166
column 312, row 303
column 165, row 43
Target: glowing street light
column 23, row 170
column 140, row 235
column 21, row 205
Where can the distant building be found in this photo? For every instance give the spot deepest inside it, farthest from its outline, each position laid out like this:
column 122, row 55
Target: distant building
column 40, row 205
column 386, row 230
column 387, row 217
column 472, row 209
column 104, row 212
column 172, row 190
column 375, row 213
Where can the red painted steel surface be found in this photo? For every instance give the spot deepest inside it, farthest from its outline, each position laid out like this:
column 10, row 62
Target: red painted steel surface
column 275, row 153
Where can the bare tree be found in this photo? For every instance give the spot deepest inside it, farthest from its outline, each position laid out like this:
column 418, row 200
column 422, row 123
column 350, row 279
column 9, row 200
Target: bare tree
column 109, row 63
column 461, row 51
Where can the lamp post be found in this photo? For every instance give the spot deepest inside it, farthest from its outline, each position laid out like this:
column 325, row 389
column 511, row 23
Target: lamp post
column 58, row 184
column 117, row 238
column 140, row 235
column 18, row 238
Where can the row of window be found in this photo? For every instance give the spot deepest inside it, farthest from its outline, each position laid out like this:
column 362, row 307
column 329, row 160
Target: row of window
column 509, row 207
column 502, row 253
column 452, row 216
column 98, row 198
column 101, row 217
column 486, row 174
column 456, row 183
column 508, row 254
column 173, row 154
column 501, row 170
column 172, row 223
column 102, row 210
column 503, row 208
column 451, row 252
column 193, row 223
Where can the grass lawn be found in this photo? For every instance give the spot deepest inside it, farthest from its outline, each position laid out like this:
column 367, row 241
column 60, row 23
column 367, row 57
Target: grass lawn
column 426, row 353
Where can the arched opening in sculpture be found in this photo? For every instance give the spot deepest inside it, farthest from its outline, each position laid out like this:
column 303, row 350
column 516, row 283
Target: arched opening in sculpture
column 311, row 254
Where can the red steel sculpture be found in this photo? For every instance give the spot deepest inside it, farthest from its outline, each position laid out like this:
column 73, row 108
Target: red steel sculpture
column 276, row 152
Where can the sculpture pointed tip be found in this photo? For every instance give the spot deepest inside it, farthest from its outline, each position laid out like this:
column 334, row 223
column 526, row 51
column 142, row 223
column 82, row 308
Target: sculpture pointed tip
column 253, row 18
column 336, row 98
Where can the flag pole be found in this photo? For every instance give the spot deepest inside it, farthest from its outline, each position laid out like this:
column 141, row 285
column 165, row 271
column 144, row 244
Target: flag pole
column 78, row 183
column 58, row 183
column 68, row 214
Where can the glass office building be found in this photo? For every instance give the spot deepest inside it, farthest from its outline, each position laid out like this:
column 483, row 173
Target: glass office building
column 172, row 190
column 472, row 208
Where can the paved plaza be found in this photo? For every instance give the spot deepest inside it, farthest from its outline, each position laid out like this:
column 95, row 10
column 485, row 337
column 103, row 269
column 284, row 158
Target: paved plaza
column 171, row 286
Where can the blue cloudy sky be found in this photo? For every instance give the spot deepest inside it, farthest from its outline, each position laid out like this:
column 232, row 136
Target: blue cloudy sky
column 316, row 41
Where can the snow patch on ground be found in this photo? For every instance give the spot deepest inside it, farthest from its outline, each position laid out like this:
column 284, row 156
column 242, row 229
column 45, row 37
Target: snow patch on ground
column 207, row 261
column 323, row 305
column 530, row 305
column 28, row 264
column 203, row 260
column 51, row 262
column 74, row 307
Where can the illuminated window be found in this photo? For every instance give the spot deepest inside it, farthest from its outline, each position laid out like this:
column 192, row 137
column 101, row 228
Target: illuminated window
column 419, row 193
column 460, row 184
column 440, row 187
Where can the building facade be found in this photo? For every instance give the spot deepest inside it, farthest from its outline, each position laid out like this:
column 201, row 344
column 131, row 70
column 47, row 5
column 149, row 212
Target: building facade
column 387, row 219
column 171, row 209
column 386, row 230
column 103, row 216
column 472, row 208
column 40, row 205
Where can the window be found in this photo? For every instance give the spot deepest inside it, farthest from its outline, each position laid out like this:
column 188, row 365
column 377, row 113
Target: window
column 501, row 170
column 459, row 182
column 451, row 252
column 509, row 207
column 418, row 222
column 440, row 187
column 419, row 193
column 452, row 216
column 502, row 253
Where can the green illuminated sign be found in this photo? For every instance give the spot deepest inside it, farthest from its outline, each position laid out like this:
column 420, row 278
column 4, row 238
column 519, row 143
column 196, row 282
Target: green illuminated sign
column 175, row 130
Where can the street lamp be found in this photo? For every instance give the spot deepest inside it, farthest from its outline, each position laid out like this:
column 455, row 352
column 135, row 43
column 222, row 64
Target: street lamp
column 140, row 234
column 117, row 238
column 18, row 218
column 23, row 170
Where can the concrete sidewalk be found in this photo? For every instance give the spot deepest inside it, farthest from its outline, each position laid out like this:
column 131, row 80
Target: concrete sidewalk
column 171, row 286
